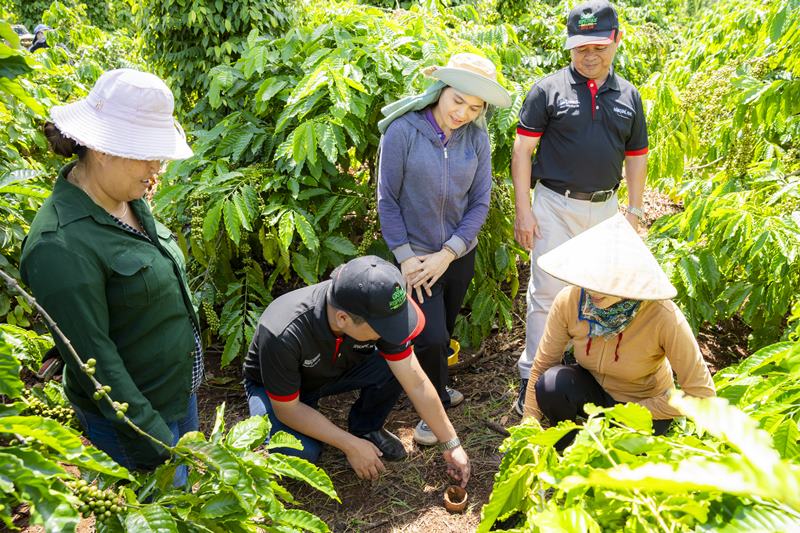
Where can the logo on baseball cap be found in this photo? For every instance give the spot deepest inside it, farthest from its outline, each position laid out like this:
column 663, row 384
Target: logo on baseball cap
column 373, row 289
column 593, row 22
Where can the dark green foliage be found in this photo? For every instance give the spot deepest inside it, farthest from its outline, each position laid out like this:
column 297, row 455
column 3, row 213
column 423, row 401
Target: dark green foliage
column 184, row 39
column 725, row 138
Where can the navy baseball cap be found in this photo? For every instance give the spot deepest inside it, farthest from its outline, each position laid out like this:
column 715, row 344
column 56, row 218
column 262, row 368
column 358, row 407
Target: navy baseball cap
column 593, row 22
column 374, row 289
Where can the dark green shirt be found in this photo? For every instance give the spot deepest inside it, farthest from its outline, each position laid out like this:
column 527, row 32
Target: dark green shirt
column 121, row 300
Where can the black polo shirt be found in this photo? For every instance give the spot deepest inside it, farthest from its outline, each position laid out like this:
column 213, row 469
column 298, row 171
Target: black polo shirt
column 294, row 349
column 585, row 132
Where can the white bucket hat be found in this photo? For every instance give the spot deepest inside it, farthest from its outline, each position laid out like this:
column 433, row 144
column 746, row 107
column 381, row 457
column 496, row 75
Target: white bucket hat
column 127, row 113
column 612, row 259
column 473, row 75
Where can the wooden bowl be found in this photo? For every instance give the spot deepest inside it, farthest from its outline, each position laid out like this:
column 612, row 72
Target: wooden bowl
column 455, row 499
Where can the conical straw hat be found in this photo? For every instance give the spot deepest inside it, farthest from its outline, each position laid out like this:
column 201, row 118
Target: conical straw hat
column 609, row 258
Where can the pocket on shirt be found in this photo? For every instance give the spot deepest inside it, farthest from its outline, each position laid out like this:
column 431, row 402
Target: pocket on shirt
column 135, row 283
column 170, row 244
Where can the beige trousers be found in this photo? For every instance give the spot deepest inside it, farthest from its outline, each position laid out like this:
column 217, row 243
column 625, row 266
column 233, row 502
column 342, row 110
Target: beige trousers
column 559, row 218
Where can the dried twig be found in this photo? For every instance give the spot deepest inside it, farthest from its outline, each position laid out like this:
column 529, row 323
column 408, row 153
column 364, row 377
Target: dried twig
column 494, row 426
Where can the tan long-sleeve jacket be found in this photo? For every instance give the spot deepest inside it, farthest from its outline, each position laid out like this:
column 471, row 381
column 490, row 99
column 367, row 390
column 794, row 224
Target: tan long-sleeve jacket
column 636, row 366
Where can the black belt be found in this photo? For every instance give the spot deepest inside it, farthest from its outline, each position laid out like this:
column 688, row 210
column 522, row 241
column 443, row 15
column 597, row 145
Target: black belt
column 596, row 196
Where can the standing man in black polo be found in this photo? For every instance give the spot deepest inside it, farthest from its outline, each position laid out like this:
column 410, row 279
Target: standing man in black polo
column 352, row 332
column 586, row 121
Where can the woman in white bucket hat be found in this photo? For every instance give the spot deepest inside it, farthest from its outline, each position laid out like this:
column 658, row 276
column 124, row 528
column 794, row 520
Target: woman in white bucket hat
column 627, row 333
column 112, row 276
column 434, row 186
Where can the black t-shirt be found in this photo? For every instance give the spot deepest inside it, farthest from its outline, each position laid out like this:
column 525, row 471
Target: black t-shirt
column 294, row 349
column 585, row 131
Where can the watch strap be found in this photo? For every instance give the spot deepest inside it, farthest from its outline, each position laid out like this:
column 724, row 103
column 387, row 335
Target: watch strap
column 452, row 443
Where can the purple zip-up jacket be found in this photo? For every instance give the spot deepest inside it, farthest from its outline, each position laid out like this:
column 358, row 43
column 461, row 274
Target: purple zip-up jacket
column 430, row 194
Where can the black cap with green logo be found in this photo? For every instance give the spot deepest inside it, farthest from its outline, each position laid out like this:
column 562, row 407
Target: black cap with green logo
column 593, row 22
column 374, row 289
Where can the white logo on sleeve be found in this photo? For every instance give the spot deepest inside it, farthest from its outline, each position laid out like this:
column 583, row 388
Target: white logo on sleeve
column 362, row 347
column 308, row 363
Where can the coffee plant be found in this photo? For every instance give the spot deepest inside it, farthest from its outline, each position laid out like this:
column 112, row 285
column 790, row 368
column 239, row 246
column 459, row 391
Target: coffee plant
column 281, row 102
column 185, row 39
column 732, row 465
column 724, row 140
column 39, row 404
column 233, row 478
column 716, row 471
column 105, row 14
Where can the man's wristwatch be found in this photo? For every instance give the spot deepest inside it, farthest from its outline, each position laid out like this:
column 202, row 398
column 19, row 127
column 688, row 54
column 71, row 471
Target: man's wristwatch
column 452, row 443
column 635, row 211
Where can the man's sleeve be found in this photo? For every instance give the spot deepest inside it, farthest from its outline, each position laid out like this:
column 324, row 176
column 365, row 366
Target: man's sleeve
column 280, row 364
column 396, row 352
column 637, row 143
column 533, row 117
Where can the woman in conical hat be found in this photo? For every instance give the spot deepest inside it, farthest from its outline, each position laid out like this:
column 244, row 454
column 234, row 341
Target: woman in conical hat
column 627, row 333
column 434, row 186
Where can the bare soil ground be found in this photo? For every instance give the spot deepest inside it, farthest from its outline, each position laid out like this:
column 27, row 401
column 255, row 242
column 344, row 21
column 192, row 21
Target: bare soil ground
column 409, row 496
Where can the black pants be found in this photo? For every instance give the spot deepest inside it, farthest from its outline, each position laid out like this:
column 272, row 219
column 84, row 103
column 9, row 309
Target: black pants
column 379, row 392
column 441, row 310
column 563, row 390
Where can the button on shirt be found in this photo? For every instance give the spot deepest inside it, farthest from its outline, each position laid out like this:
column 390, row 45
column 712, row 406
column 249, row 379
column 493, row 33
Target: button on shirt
column 294, row 349
column 586, row 131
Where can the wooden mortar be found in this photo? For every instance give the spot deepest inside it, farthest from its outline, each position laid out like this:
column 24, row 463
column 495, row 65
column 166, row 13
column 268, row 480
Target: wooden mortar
column 455, row 499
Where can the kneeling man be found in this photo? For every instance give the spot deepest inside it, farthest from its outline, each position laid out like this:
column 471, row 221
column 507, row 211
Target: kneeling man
column 351, row 332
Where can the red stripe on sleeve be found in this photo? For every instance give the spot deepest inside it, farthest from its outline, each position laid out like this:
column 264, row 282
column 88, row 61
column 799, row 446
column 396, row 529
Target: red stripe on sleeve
column 420, row 320
column 397, row 356
column 641, row 151
column 528, row 133
column 287, row 398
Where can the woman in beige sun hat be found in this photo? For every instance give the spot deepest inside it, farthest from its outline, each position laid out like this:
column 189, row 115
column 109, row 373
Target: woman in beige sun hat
column 113, row 277
column 434, row 186
column 627, row 333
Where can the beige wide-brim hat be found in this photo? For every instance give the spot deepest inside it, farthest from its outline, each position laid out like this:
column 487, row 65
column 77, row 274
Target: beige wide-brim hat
column 473, row 75
column 127, row 113
column 612, row 259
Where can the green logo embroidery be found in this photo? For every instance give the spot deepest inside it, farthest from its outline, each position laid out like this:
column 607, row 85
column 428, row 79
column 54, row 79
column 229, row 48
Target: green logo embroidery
column 587, row 22
column 398, row 298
